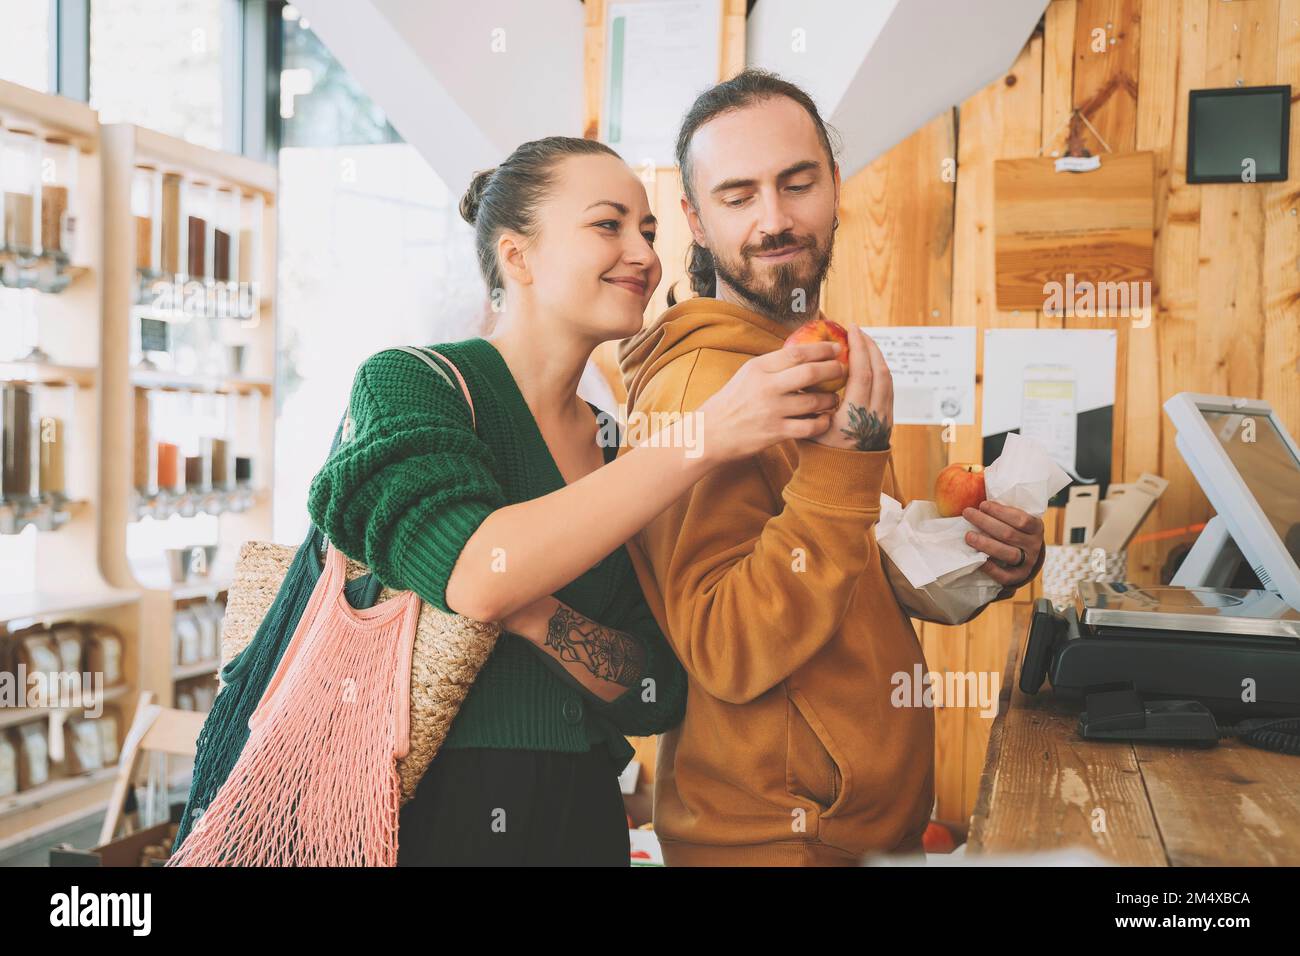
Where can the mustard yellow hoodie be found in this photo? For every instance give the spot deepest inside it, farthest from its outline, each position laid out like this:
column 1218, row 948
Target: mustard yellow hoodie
column 767, row 581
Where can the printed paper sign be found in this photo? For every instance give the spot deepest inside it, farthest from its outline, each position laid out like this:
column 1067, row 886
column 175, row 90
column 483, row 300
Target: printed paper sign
column 933, row 367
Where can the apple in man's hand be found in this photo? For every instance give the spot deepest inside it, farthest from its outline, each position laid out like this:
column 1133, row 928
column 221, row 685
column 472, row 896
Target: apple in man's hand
column 938, row 839
column 824, row 330
column 959, row 487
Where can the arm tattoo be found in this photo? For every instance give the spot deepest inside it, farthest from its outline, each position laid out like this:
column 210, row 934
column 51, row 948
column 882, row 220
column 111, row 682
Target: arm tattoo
column 609, row 654
column 866, row 429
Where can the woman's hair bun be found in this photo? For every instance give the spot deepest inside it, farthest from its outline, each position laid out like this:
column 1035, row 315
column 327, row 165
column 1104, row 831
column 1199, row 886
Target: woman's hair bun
column 469, row 202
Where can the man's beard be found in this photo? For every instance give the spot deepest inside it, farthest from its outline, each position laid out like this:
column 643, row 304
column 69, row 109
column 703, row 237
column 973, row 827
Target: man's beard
column 777, row 300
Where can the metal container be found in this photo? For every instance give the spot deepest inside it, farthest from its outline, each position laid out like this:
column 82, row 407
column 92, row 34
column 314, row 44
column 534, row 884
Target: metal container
column 186, row 564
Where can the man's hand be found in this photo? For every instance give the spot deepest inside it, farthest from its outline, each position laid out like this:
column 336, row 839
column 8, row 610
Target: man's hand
column 865, row 416
column 1004, row 533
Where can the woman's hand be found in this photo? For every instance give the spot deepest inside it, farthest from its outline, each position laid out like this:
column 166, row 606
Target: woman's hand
column 764, row 402
column 865, row 418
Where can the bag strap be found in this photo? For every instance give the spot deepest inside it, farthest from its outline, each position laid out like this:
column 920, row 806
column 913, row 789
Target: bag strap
column 317, row 536
column 360, row 592
column 419, row 352
column 464, row 389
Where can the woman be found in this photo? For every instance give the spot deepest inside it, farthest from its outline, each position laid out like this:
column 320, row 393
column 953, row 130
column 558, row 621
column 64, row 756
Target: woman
column 522, row 520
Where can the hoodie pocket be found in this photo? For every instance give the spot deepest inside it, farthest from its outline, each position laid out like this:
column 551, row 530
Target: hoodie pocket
column 811, row 771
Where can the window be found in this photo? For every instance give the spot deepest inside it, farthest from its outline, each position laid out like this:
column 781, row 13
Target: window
column 320, row 103
column 25, row 43
column 158, row 63
column 373, row 253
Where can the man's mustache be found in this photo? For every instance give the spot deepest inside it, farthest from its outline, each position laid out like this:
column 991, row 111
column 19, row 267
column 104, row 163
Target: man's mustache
column 779, row 244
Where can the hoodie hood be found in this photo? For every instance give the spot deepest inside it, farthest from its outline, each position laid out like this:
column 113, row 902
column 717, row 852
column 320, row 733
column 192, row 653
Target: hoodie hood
column 699, row 323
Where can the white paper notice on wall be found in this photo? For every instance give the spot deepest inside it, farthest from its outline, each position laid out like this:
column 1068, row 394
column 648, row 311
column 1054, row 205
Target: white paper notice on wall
column 1056, row 386
column 933, row 367
column 658, row 57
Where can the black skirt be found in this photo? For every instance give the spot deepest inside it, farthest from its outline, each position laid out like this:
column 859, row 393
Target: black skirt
column 480, row 806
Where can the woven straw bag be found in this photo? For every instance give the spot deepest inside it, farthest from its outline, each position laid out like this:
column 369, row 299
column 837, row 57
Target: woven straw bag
column 449, row 649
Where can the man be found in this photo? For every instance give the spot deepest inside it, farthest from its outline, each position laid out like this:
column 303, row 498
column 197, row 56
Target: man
column 766, row 576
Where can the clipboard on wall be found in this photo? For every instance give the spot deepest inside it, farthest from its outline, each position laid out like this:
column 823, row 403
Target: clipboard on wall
column 1073, row 229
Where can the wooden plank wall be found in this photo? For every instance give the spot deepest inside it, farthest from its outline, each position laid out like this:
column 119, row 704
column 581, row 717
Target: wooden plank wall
column 1227, row 270
column 916, row 248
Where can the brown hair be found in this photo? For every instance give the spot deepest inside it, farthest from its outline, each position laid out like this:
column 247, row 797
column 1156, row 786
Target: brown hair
column 746, row 88
column 508, row 196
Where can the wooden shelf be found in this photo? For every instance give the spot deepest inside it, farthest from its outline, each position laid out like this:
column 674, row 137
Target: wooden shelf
column 10, row 716
column 47, row 373
column 54, row 789
column 230, row 168
column 67, row 583
column 200, row 669
column 219, row 582
column 174, row 381
column 153, row 575
column 126, row 148
column 240, row 515
column 52, row 605
column 50, row 114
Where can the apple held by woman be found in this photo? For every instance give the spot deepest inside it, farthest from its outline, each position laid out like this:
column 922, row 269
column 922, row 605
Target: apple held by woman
column 824, row 330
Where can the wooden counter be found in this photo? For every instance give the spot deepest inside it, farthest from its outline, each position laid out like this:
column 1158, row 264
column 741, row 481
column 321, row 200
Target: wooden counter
column 1044, row 787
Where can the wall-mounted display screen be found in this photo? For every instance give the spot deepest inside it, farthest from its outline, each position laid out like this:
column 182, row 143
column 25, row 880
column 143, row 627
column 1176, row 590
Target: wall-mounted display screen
column 1238, row 135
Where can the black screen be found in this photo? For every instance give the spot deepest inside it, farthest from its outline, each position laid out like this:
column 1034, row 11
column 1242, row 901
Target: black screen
column 1228, row 127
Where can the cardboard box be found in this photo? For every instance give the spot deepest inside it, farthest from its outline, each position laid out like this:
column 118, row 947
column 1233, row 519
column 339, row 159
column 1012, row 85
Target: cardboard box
column 124, row 851
column 1125, row 508
column 1080, row 515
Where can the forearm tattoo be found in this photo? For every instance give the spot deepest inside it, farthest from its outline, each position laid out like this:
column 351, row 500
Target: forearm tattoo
column 609, row 654
column 866, row 429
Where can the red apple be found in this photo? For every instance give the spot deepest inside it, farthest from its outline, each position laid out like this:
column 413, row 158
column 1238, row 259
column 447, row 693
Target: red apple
column 824, row 330
column 959, row 487
column 938, row 839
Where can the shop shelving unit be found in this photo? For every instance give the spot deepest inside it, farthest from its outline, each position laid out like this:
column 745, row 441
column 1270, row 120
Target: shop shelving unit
column 137, row 271
column 69, row 586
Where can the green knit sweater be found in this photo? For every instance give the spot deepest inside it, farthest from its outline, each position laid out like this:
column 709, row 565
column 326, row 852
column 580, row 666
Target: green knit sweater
column 409, row 487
